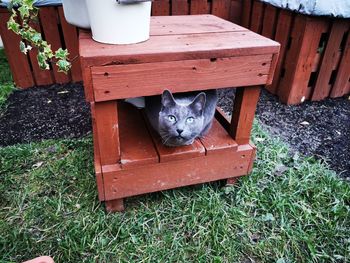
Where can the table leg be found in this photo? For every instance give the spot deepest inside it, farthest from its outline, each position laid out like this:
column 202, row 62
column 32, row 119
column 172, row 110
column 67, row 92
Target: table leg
column 243, row 112
column 116, row 205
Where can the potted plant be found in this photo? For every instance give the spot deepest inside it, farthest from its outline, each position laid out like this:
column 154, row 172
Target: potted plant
column 23, row 13
column 111, row 21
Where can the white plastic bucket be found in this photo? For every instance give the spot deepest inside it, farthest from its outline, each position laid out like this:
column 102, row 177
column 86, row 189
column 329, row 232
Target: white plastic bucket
column 75, row 12
column 114, row 23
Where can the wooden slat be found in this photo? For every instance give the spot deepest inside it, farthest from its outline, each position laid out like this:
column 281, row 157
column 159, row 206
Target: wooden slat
column 269, row 22
column 174, row 25
column 20, row 68
column 341, row 84
column 49, row 20
column 221, row 8
column 161, row 8
column 41, row 77
column 244, row 107
column 97, row 157
column 306, row 36
column 180, row 7
column 106, row 119
column 168, row 175
column 71, row 42
column 198, row 7
column 123, row 81
column 257, row 16
column 218, row 140
column 282, row 36
column 136, row 146
column 236, row 10
column 167, row 154
column 322, row 86
column 246, row 13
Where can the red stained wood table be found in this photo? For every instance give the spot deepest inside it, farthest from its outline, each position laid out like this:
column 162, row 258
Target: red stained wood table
column 184, row 53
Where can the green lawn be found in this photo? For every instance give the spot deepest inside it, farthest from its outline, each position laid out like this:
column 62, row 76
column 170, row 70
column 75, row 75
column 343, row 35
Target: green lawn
column 290, row 209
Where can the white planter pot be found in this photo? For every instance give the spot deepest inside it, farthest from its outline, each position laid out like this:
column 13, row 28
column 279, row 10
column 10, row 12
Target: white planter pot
column 114, row 23
column 76, row 13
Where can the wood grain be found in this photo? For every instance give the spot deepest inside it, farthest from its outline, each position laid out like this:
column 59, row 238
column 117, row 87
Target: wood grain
column 123, row 81
column 168, row 175
column 136, row 146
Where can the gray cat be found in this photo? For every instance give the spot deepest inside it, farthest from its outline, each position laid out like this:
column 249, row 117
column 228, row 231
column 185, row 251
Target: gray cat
column 181, row 118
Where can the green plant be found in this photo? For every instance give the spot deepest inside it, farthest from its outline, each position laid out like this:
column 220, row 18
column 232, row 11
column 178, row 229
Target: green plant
column 28, row 13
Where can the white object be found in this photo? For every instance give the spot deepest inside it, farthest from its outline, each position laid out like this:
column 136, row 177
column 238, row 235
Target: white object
column 76, row 13
column 114, row 23
column 335, row 8
column 1, row 44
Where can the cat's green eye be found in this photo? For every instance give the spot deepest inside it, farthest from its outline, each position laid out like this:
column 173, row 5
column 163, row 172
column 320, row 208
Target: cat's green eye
column 189, row 119
column 171, row 118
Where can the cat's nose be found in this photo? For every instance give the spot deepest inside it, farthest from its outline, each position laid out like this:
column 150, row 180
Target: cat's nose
column 179, row 131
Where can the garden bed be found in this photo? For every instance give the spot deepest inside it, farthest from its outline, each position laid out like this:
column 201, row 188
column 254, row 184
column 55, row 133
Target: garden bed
column 60, row 111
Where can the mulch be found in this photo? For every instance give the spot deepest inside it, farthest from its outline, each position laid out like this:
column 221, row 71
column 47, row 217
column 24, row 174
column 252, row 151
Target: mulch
column 320, row 129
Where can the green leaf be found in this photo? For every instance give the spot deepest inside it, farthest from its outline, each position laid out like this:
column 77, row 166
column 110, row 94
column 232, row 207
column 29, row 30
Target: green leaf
column 61, row 54
column 22, row 46
column 63, row 65
column 42, row 61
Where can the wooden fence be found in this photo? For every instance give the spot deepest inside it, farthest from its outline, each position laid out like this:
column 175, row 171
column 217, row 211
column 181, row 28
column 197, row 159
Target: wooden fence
column 58, row 32
column 25, row 70
column 314, row 61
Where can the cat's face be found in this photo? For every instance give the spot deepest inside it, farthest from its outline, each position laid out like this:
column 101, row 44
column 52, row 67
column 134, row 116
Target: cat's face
column 180, row 124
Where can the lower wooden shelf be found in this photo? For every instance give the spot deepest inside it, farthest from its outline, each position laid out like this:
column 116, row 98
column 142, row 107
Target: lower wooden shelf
column 146, row 165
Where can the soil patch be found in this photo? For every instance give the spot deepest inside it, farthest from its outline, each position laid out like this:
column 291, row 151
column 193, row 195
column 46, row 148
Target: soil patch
column 320, row 129
column 48, row 112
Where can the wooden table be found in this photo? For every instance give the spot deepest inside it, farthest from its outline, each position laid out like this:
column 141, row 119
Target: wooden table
column 184, row 53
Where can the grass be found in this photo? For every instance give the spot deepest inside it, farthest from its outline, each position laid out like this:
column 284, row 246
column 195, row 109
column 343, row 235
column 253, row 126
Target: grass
column 6, row 82
column 290, row 209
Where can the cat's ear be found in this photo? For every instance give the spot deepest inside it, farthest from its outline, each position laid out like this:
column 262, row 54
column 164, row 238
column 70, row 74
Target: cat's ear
column 168, row 99
column 198, row 103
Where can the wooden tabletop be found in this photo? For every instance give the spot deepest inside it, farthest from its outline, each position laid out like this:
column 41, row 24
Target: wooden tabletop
column 179, row 38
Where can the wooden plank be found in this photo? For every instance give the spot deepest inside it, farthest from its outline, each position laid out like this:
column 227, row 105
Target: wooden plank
column 343, row 75
column 180, row 7
column 243, row 112
column 269, row 22
column 184, row 47
column 19, row 64
column 49, row 17
column 198, row 7
column 221, row 8
column 97, row 157
column 167, row 154
column 236, row 9
column 322, row 87
column 257, row 16
column 124, row 81
column 218, row 140
column 106, row 119
column 246, row 12
column 41, row 76
column 168, row 175
column 194, row 24
column 282, row 36
column 136, row 146
column 161, row 8
column 71, row 42
column 306, row 36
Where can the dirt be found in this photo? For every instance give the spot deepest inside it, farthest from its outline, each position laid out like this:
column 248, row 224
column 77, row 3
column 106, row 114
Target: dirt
column 320, row 129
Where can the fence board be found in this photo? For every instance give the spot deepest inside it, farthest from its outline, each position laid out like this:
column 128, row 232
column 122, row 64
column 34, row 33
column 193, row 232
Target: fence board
column 199, row 7
column 71, row 42
column 161, row 8
column 329, row 61
column 48, row 16
column 19, row 64
column 180, row 7
column 221, row 8
column 257, row 16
